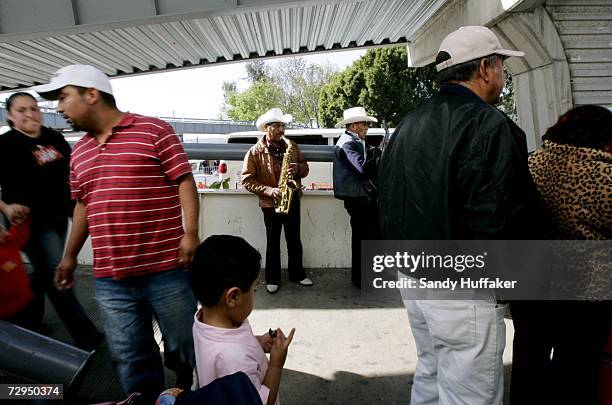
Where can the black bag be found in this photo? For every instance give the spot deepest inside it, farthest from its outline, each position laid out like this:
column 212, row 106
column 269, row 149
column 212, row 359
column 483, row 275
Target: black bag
column 370, row 169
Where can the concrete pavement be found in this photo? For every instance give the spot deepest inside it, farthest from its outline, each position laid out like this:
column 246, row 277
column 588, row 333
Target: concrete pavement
column 348, row 346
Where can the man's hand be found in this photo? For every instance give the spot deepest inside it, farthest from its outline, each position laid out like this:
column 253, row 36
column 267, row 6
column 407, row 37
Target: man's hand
column 187, row 247
column 275, row 193
column 17, row 213
column 294, row 168
column 64, row 273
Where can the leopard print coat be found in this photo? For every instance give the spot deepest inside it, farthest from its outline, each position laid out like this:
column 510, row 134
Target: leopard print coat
column 575, row 184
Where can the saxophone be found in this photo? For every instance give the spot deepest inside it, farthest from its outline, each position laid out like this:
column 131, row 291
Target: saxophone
column 286, row 184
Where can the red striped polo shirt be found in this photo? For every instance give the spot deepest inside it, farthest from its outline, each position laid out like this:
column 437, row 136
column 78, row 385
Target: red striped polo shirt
column 128, row 188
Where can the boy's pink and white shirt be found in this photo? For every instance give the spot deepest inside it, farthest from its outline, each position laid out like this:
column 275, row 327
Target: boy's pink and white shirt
column 220, row 352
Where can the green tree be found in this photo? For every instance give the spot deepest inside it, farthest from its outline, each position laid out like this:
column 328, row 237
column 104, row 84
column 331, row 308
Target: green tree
column 257, row 71
column 254, row 101
column 293, row 85
column 506, row 103
column 380, row 81
column 302, row 83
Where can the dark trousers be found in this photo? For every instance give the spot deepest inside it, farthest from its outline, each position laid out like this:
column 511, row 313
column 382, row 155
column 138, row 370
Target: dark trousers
column 274, row 223
column 44, row 250
column 364, row 226
column 576, row 332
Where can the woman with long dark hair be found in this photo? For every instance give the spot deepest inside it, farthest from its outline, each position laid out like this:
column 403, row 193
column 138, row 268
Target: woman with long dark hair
column 34, row 169
column 559, row 345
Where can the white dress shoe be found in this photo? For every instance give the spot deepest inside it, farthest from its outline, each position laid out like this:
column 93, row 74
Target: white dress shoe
column 272, row 288
column 306, row 282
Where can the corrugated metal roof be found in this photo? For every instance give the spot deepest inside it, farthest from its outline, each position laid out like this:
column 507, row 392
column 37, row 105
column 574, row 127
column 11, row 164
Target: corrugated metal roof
column 585, row 29
column 231, row 35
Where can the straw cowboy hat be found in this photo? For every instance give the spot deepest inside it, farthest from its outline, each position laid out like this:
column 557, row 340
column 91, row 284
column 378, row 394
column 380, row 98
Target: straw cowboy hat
column 355, row 114
column 270, row 116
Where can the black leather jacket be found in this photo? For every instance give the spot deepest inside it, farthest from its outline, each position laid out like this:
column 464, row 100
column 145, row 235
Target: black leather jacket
column 456, row 168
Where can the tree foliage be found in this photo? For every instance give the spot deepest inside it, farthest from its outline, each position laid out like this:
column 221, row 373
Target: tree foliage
column 382, row 83
column 302, row 84
column 252, row 102
column 506, row 103
column 294, row 85
column 257, row 71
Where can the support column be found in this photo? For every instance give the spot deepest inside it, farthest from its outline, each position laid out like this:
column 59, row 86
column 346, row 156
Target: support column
column 542, row 79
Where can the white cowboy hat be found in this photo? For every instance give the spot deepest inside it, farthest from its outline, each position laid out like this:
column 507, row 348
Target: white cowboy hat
column 270, row 116
column 355, row 114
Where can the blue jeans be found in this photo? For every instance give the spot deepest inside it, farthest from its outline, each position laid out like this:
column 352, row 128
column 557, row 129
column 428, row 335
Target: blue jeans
column 44, row 250
column 127, row 307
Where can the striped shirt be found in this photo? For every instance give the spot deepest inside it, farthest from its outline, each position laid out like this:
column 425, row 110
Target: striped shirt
column 132, row 204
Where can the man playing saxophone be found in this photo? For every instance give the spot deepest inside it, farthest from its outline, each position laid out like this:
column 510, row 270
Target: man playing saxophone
column 270, row 167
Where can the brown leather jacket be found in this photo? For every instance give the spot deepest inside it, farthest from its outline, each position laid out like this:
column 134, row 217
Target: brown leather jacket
column 258, row 173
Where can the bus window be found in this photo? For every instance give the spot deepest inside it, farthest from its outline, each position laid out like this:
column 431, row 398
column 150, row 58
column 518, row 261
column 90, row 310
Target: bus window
column 371, row 140
column 251, row 140
column 308, row 139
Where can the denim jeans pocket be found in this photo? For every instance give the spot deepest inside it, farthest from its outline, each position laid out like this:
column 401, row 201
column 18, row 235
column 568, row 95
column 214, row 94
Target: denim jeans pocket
column 452, row 325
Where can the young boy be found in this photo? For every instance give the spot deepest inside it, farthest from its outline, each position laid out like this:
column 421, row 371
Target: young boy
column 224, row 274
column 15, row 291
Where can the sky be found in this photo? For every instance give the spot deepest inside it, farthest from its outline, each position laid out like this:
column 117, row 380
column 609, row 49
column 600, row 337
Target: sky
column 196, row 92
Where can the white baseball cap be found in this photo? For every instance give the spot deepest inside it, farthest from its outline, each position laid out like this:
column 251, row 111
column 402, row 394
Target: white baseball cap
column 74, row 75
column 270, row 116
column 469, row 43
column 355, row 114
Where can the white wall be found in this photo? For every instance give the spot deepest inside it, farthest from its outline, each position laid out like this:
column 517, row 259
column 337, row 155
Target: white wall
column 325, row 226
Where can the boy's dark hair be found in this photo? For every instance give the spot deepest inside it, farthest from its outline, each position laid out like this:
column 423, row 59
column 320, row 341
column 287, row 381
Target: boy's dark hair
column 222, row 262
column 9, row 103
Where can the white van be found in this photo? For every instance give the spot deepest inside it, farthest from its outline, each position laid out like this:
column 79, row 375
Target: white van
column 320, row 174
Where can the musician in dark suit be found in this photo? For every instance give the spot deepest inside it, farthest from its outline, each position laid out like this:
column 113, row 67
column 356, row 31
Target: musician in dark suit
column 352, row 184
column 261, row 175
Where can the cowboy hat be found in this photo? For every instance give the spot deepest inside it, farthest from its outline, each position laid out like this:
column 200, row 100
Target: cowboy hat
column 270, row 116
column 355, row 114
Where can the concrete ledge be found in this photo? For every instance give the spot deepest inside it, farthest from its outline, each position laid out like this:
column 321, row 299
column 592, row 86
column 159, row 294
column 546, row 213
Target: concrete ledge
column 325, row 230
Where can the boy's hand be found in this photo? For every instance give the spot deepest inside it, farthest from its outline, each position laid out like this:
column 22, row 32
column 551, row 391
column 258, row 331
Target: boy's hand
column 280, row 345
column 265, row 341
